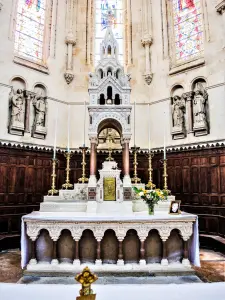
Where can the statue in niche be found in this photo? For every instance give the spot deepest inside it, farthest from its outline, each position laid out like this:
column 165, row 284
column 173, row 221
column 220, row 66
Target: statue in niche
column 40, row 111
column 178, row 111
column 93, row 79
column 17, row 109
column 199, row 105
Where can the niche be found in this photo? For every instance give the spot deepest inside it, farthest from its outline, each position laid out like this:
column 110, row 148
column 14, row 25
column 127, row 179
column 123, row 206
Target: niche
column 117, row 99
column 102, row 99
column 109, row 50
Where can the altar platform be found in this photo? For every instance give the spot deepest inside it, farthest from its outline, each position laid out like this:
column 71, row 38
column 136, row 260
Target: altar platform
column 62, row 242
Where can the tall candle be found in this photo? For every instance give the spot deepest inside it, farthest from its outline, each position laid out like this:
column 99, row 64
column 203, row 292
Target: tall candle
column 68, row 130
column 134, row 122
column 56, row 124
column 84, row 120
column 149, row 134
column 164, row 138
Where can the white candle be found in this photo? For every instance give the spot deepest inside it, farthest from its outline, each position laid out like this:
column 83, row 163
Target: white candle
column 134, row 122
column 84, row 120
column 68, row 130
column 164, row 156
column 149, row 134
column 56, row 124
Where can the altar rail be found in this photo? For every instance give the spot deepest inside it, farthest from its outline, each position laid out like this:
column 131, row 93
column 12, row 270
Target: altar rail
column 109, row 242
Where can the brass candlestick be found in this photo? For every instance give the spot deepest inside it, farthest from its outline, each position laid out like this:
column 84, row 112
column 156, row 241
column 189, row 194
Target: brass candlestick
column 53, row 190
column 109, row 158
column 165, row 175
column 67, row 184
column 83, row 179
column 135, row 179
column 150, row 184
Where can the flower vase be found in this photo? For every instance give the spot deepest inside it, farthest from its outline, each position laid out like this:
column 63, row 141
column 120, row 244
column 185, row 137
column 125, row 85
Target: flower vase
column 151, row 210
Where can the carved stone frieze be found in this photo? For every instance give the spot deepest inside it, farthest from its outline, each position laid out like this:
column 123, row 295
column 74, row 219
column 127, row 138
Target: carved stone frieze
column 220, row 7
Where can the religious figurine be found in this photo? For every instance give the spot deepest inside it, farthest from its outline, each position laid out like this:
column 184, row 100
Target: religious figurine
column 86, row 278
column 40, row 111
column 93, row 79
column 17, row 111
column 178, row 111
column 199, row 106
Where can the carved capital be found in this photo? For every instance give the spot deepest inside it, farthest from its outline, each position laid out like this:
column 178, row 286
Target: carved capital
column 69, row 77
column 188, row 96
column 220, row 8
column 146, row 40
column 70, row 39
column 148, row 78
column 93, row 140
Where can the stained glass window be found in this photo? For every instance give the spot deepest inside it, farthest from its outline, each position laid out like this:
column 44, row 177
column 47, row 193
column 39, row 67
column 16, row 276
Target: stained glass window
column 188, row 30
column 30, row 27
column 109, row 13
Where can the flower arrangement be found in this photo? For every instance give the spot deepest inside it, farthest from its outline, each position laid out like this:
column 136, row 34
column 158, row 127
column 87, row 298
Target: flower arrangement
column 151, row 196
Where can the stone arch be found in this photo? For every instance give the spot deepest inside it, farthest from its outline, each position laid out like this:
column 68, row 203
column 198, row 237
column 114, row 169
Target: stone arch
column 131, row 247
column 153, row 247
column 175, row 246
column 18, row 82
column 88, row 247
column 44, row 246
column 110, row 123
column 109, row 247
column 66, row 246
column 112, row 118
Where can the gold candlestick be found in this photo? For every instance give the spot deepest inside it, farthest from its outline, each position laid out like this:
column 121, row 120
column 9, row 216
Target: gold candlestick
column 67, row 184
column 150, row 184
column 53, row 190
column 135, row 179
column 83, row 179
column 109, row 158
column 165, row 175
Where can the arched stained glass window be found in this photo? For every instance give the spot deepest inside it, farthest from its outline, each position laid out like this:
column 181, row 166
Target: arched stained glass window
column 109, row 13
column 188, row 30
column 30, row 29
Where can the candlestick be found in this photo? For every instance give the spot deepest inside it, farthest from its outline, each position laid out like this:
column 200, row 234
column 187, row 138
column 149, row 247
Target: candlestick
column 135, row 179
column 164, row 139
column 150, row 184
column 67, row 184
column 134, row 122
column 53, row 190
column 68, row 130
column 56, row 124
column 165, row 175
column 149, row 134
column 109, row 158
column 84, row 121
column 83, row 179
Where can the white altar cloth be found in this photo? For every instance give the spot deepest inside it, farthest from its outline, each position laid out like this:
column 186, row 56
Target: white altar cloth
column 193, row 291
column 88, row 217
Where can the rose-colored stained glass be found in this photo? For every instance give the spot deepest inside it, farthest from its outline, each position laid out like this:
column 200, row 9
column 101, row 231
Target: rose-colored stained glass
column 30, row 27
column 109, row 13
column 188, row 30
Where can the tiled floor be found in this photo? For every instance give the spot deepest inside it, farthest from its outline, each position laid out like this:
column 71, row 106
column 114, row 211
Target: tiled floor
column 212, row 266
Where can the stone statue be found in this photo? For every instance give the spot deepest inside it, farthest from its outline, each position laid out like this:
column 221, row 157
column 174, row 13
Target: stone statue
column 39, row 103
column 199, row 105
column 178, row 111
column 93, row 79
column 17, row 109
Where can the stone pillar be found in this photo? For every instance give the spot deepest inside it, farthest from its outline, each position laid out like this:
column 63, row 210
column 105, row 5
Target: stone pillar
column 93, row 163
column 54, row 256
column 27, row 110
column 98, row 260
column 126, row 163
column 142, row 253
column 33, row 260
column 185, row 260
column 146, row 42
column 76, row 259
column 164, row 261
column 120, row 261
column 189, row 118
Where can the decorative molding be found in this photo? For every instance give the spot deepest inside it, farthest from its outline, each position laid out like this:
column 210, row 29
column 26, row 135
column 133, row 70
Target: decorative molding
column 30, row 64
column 186, row 66
column 220, row 7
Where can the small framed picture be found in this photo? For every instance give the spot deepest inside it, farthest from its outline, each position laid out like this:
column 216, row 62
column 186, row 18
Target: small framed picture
column 175, row 207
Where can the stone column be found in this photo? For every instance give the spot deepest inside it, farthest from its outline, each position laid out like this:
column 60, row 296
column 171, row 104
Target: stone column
column 142, row 253
column 28, row 96
column 164, row 261
column 93, row 162
column 54, row 256
column 76, row 259
column 126, row 163
column 98, row 260
column 185, row 260
column 120, row 261
column 33, row 260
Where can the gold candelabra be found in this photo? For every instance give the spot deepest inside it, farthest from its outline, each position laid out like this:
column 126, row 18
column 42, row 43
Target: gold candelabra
column 67, row 185
column 135, row 179
column 150, row 184
column 53, row 190
column 165, row 175
column 83, row 179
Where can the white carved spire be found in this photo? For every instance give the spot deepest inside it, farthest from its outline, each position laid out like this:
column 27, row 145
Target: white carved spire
column 109, row 46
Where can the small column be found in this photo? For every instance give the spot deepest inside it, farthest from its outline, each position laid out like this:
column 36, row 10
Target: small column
column 76, row 259
column 27, row 110
column 93, row 162
column 54, row 256
column 120, row 261
column 189, row 119
column 33, row 260
column 164, row 261
column 142, row 253
column 185, row 260
column 126, row 158
column 98, row 260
